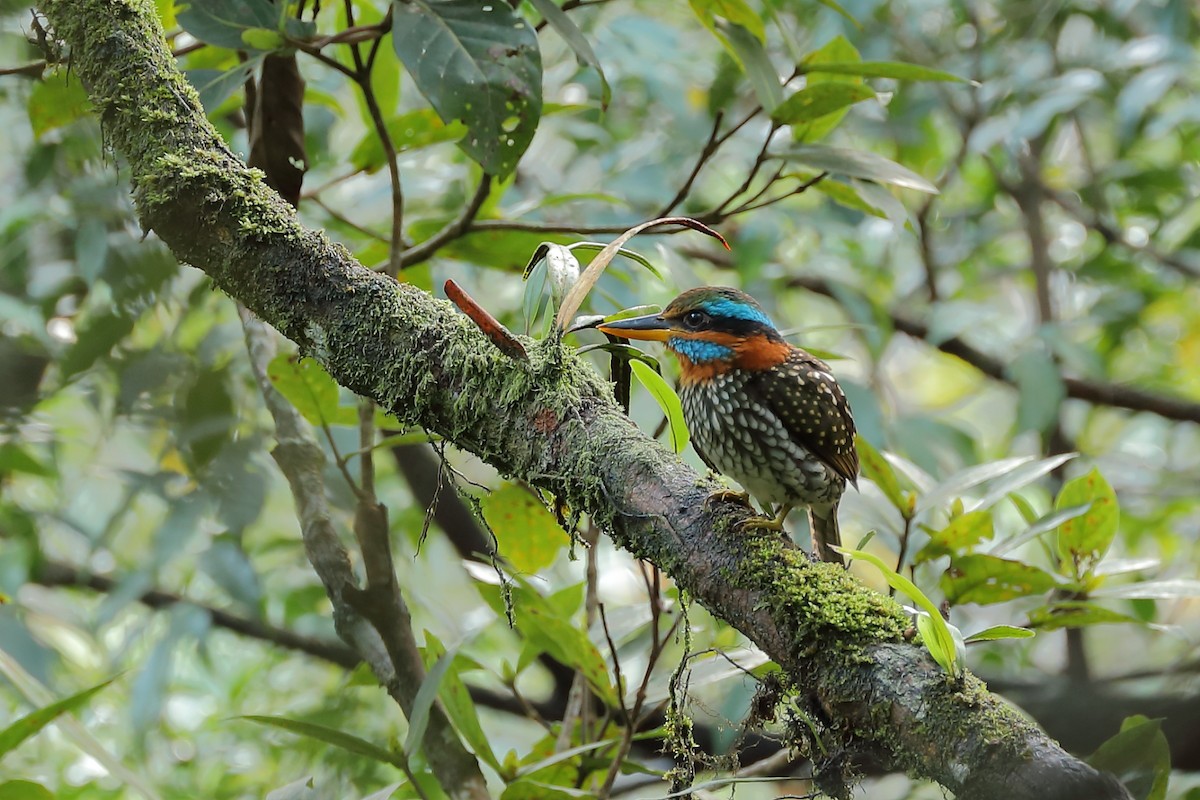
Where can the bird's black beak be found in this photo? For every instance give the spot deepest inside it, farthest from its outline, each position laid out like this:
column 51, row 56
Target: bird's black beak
column 653, row 327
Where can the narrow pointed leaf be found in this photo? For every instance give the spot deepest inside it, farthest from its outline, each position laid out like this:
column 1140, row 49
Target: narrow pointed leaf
column 34, row 721
column 667, row 400
column 997, row 632
column 322, row 733
column 857, row 164
column 939, row 630
column 575, row 39
column 883, row 69
column 418, row 716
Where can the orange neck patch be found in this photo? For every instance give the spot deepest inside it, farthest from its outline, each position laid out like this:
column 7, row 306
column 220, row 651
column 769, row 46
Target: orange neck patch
column 759, row 353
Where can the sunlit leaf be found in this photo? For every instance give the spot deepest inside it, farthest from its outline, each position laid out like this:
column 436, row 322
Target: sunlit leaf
column 409, row 131
column 24, row 790
column 998, row 632
column 528, row 535
column 34, row 721
column 1083, row 540
column 667, row 400
column 55, row 101
column 307, row 386
column 813, row 102
column 940, row 641
column 836, row 50
column 959, row 536
column 881, row 69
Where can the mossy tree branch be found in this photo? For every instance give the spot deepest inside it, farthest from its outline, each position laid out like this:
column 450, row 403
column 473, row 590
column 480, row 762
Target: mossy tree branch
column 550, row 421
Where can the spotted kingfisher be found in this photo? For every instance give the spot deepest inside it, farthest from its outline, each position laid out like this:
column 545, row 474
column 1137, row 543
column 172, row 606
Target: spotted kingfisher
column 763, row 412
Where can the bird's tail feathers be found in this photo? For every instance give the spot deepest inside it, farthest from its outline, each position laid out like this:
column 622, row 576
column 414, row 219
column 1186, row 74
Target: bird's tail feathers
column 823, row 523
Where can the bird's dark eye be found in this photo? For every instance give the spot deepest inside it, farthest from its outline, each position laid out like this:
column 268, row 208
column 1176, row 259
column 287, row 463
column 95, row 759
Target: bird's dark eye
column 695, row 319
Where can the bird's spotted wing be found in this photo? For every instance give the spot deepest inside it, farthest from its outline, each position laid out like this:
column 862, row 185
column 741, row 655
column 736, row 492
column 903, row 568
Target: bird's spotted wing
column 803, row 394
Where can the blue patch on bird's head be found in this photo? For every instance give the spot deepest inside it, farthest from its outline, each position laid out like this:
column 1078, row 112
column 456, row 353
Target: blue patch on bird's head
column 699, row 351
column 728, row 308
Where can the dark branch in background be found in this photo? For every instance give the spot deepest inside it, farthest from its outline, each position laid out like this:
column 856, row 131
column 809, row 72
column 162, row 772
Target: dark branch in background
column 56, row 573
column 1093, row 391
column 550, row 421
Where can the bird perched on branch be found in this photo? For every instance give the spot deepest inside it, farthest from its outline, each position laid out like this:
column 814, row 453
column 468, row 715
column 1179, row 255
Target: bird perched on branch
column 761, row 411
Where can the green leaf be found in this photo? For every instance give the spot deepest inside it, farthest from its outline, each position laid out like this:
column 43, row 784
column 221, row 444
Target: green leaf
column 940, row 641
column 946, row 657
column 476, row 61
column 551, row 631
column 34, row 721
column 849, row 196
column 456, row 699
column 340, row 739
column 857, row 164
column 563, row 755
column 667, row 400
column 813, row 102
column 630, row 254
column 997, row 632
column 957, row 538
column 24, row 790
column 575, row 39
column 877, row 468
column 418, row 715
column 56, row 101
column 983, row 579
column 1076, row 614
column 836, row 50
column 224, row 23
column 1083, row 540
column 97, row 336
column 307, row 386
column 16, row 459
column 529, row 537
column 215, row 86
column 1039, row 526
column 750, row 53
column 880, row 69
column 1139, row 756
column 739, row 12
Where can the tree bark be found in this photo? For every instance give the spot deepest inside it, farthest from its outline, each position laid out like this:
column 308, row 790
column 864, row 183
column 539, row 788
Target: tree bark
column 549, row 421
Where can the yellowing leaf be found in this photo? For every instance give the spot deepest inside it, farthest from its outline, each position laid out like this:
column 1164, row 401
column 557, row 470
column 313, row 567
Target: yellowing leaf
column 528, row 535
column 1083, row 540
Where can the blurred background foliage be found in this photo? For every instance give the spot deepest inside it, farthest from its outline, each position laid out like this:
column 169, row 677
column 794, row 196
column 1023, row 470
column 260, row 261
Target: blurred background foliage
column 1043, row 303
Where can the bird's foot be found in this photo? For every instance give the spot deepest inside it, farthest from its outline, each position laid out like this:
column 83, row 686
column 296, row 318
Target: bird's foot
column 726, row 495
column 761, row 524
